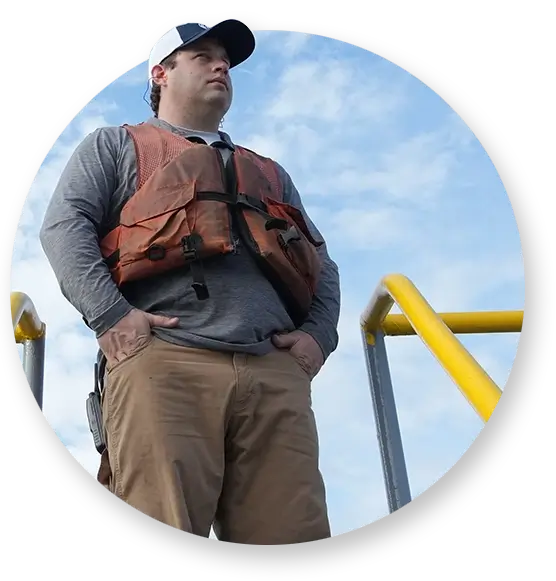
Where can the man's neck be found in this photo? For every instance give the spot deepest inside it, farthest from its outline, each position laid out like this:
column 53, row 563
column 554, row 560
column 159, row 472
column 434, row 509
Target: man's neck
column 208, row 122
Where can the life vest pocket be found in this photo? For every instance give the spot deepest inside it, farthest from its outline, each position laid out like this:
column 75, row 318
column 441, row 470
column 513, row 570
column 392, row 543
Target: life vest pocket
column 297, row 244
column 287, row 250
column 155, row 238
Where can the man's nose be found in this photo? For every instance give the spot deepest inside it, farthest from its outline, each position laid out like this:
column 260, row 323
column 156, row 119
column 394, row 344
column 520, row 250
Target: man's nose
column 221, row 66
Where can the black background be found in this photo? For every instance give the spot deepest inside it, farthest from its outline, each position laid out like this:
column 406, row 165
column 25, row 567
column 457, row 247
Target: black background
column 492, row 515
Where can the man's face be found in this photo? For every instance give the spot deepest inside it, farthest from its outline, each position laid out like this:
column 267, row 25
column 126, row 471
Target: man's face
column 201, row 76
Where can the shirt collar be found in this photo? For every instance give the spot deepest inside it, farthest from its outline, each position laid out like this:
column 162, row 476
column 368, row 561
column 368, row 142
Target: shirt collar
column 226, row 139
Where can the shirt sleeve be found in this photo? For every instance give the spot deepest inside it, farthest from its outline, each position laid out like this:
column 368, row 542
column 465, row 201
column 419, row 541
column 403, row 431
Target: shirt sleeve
column 69, row 234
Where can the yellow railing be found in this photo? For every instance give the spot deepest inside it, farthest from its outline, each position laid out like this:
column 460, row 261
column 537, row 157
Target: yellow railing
column 31, row 332
column 461, row 323
column 437, row 332
column 26, row 323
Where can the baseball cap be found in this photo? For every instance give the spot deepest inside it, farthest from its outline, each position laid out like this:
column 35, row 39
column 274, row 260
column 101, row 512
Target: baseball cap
column 236, row 37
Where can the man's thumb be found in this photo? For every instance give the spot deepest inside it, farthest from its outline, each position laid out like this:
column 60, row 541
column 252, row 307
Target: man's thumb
column 284, row 341
column 162, row 321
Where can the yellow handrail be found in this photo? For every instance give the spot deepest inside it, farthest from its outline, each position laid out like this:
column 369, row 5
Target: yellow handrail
column 474, row 383
column 461, row 323
column 26, row 322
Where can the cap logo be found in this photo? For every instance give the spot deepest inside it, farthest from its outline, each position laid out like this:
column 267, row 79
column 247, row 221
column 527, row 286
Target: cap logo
column 203, row 26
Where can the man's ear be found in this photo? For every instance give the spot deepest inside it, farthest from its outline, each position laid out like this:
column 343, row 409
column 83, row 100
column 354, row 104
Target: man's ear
column 158, row 75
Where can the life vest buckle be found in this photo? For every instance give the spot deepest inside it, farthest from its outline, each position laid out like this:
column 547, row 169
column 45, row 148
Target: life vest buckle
column 290, row 235
column 190, row 246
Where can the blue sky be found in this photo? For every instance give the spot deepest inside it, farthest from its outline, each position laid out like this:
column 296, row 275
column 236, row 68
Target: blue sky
column 396, row 182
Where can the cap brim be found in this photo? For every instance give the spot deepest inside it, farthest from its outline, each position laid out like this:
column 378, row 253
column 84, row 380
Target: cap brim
column 236, row 37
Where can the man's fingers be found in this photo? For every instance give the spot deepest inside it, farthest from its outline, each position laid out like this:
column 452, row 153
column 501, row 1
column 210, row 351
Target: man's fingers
column 162, row 321
column 284, row 341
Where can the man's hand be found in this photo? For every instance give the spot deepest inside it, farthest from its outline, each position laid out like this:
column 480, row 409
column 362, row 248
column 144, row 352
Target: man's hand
column 131, row 333
column 304, row 348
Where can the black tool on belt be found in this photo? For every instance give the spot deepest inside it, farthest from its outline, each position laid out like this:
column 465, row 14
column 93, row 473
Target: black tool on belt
column 94, row 408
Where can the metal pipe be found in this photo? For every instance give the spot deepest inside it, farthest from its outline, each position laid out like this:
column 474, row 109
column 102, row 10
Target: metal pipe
column 394, row 469
column 33, row 365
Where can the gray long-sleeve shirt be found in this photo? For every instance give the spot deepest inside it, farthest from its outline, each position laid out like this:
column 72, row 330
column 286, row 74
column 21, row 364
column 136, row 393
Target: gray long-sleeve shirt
column 244, row 310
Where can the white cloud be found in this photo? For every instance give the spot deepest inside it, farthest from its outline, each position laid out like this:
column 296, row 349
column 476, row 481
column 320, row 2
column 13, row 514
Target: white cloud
column 415, row 169
column 332, row 91
column 136, row 76
column 266, row 145
column 456, row 133
column 329, row 126
column 286, row 44
column 364, row 229
column 462, row 283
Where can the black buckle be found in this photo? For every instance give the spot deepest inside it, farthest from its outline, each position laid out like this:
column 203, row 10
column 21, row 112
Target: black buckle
column 190, row 247
column 290, row 235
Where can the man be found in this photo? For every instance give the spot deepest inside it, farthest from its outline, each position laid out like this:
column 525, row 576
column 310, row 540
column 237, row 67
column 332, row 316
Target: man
column 214, row 302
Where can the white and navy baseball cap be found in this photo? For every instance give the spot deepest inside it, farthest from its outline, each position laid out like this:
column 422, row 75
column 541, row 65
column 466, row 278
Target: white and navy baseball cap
column 236, row 37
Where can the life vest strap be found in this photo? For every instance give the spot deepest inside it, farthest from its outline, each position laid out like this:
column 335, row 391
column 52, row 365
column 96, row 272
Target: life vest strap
column 191, row 246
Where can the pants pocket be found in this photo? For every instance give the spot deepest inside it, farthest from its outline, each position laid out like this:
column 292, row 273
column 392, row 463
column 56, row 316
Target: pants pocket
column 133, row 355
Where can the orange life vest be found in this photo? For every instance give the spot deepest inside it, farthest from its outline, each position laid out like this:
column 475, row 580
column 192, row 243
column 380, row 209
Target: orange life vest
column 182, row 212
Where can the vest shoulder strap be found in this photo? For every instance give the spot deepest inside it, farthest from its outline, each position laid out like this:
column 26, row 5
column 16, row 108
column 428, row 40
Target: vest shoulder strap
column 154, row 147
column 269, row 169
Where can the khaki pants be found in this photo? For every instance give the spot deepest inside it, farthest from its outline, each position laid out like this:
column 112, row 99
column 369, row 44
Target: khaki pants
column 198, row 438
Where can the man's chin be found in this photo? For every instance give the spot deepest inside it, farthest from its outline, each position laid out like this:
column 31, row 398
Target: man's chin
column 218, row 103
